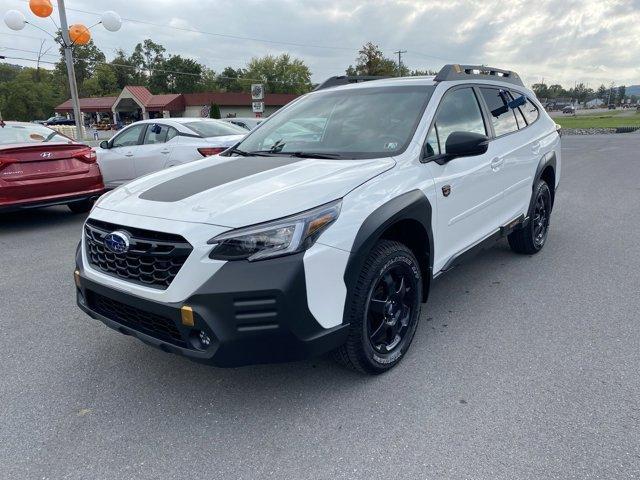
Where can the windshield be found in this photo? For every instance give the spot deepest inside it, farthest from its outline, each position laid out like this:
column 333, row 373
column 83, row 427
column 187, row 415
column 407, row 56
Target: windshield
column 215, row 129
column 29, row 133
column 350, row 123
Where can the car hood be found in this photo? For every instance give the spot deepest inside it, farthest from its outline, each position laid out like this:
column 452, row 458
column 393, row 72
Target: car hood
column 239, row 191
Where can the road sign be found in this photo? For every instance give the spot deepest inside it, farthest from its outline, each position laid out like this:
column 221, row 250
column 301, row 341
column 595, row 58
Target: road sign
column 257, row 91
column 258, row 107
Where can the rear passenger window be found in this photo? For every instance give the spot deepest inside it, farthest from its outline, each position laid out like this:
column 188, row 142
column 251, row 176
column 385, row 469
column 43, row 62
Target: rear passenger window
column 502, row 117
column 459, row 112
column 530, row 111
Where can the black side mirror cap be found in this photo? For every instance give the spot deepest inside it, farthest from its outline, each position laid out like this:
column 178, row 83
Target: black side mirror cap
column 104, row 144
column 466, row 144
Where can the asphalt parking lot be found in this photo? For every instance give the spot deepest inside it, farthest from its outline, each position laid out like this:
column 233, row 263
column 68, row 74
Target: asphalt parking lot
column 522, row 367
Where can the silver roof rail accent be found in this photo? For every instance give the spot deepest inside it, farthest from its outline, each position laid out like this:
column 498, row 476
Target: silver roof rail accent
column 345, row 80
column 477, row 72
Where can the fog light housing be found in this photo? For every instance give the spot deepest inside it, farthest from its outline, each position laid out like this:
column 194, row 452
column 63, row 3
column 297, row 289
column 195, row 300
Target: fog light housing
column 76, row 278
column 205, row 340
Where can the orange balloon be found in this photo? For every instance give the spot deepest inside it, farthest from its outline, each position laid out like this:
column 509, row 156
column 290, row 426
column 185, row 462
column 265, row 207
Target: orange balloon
column 41, row 8
column 79, row 34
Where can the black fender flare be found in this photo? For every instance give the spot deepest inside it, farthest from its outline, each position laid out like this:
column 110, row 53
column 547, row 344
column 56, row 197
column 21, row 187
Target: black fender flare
column 412, row 205
column 547, row 160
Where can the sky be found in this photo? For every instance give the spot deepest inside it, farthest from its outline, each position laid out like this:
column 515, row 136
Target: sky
column 559, row 41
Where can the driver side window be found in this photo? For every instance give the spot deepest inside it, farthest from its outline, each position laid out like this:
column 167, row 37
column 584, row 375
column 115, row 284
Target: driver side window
column 459, row 112
column 129, row 137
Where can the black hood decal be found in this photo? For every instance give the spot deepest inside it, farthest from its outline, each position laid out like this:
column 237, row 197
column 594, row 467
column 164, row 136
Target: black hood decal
column 213, row 176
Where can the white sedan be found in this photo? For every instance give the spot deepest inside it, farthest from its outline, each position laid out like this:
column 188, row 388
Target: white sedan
column 152, row 145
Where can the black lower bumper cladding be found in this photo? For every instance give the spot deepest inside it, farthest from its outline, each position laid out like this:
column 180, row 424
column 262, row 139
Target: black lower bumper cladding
column 252, row 313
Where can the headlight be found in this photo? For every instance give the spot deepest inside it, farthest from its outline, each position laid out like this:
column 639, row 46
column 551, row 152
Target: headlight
column 275, row 239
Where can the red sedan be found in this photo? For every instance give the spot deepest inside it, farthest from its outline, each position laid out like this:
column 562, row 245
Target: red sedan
column 40, row 167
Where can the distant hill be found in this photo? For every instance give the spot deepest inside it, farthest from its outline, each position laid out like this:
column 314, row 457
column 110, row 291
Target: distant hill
column 633, row 90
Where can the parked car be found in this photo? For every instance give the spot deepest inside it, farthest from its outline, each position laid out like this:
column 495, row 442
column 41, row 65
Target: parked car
column 59, row 121
column 612, row 106
column 151, row 145
column 40, row 167
column 569, row 109
column 247, row 123
column 286, row 247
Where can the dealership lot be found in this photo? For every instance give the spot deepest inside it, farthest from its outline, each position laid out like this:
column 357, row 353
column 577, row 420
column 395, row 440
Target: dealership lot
column 522, row 367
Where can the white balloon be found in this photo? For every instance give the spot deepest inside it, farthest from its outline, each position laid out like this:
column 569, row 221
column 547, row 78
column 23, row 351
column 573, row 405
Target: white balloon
column 111, row 21
column 15, row 20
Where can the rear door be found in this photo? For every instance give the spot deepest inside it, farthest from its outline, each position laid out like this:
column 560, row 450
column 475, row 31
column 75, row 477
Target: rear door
column 467, row 188
column 513, row 147
column 156, row 150
column 117, row 162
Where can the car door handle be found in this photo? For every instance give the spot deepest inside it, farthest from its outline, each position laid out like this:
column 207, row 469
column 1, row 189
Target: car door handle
column 165, row 151
column 128, row 154
column 496, row 163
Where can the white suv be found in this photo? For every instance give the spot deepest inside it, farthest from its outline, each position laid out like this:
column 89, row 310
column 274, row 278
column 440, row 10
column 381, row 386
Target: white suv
column 323, row 229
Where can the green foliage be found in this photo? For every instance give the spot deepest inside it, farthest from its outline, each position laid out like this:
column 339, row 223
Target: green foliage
column 102, row 83
column 371, row 61
column 214, row 111
column 23, row 97
column 229, row 80
column 86, row 59
column 280, row 74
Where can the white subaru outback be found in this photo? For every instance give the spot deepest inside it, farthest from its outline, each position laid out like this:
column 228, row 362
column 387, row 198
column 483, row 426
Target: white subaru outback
column 322, row 230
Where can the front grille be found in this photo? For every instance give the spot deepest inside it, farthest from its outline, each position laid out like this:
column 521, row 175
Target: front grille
column 151, row 324
column 154, row 258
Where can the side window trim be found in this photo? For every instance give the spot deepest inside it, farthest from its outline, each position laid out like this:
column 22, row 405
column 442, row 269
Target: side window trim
column 488, row 128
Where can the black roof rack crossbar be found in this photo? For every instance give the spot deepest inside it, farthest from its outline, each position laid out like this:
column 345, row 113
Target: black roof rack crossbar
column 478, row 72
column 345, row 80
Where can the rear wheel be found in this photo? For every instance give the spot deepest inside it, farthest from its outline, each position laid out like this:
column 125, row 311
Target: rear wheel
column 384, row 309
column 83, row 206
column 531, row 238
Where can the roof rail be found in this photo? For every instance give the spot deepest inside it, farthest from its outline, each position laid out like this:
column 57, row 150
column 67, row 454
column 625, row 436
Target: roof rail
column 478, row 72
column 345, row 80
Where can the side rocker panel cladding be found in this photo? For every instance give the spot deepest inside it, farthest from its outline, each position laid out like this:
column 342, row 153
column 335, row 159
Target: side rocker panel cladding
column 412, row 205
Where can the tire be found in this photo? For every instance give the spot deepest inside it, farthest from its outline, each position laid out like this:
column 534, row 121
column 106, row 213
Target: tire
column 531, row 238
column 83, row 206
column 383, row 310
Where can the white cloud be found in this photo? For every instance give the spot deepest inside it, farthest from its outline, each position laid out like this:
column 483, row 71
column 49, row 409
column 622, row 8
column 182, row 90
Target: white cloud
column 594, row 41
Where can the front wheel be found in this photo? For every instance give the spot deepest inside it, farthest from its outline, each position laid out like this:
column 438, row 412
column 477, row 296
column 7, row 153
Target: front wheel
column 384, row 309
column 531, row 238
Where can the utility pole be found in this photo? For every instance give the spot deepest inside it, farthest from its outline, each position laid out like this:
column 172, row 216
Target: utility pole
column 400, row 52
column 68, row 57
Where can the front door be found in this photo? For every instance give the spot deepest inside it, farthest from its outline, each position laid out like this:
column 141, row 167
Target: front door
column 155, row 152
column 468, row 189
column 117, row 162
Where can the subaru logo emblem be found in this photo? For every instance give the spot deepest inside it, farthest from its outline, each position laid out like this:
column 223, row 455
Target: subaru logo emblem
column 117, row 242
column 46, row 154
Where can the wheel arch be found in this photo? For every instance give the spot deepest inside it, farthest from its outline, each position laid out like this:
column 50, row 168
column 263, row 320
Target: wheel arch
column 407, row 219
column 546, row 171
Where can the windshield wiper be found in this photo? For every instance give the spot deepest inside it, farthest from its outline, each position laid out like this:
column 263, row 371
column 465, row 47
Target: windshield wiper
column 242, row 153
column 327, row 156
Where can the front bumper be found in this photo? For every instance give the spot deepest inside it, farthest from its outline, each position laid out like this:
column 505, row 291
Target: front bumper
column 252, row 312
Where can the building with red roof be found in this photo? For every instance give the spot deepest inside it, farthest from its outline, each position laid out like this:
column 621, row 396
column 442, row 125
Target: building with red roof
column 137, row 102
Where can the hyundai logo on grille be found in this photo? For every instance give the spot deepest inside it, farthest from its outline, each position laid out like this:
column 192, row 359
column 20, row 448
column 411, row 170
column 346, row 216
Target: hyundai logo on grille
column 46, row 154
column 117, row 242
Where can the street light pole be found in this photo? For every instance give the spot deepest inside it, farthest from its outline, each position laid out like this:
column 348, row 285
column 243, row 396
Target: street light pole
column 68, row 57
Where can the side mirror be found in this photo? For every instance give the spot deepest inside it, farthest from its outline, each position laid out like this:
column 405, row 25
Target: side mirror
column 104, row 144
column 466, row 144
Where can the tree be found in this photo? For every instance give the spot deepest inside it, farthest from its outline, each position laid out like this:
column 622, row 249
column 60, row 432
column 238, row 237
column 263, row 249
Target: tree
column 422, row 73
column 371, row 62
column 182, row 75
column 126, row 71
column 26, row 98
column 214, row 111
column 556, row 91
column 229, row 80
column 280, row 74
column 541, row 90
column 102, row 83
column 602, row 93
column 86, row 58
